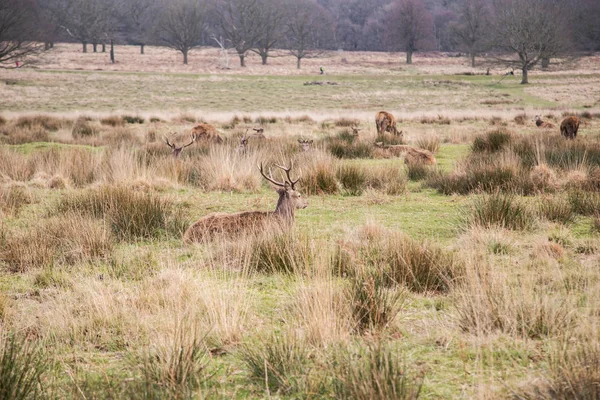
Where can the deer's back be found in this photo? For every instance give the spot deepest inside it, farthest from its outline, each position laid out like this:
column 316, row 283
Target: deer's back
column 206, row 132
column 228, row 225
column 385, row 116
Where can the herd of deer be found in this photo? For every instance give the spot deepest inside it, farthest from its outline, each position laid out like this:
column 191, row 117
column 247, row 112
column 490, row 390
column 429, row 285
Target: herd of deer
column 231, row 225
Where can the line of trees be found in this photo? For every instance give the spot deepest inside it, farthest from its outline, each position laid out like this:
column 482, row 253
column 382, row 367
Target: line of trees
column 522, row 33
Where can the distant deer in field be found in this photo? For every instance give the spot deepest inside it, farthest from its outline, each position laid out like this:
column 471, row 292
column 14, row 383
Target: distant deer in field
column 569, row 127
column 386, row 123
column 542, row 124
column 243, row 144
column 305, row 144
column 175, row 151
column 206, row 132
column 251, row 221
column 259, row 133
column 355, row 130
column 411, row 154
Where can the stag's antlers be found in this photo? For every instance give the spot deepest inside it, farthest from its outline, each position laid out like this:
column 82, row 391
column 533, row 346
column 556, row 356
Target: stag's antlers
column 287, row 170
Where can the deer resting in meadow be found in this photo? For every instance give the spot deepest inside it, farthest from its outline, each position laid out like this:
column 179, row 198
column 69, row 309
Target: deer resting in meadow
column 411, row 154
column 386, row 122
column 206, row 132
column 543, row 124
column 569, row 127
column 175, row 151
column 230, row 225
column 305, row 144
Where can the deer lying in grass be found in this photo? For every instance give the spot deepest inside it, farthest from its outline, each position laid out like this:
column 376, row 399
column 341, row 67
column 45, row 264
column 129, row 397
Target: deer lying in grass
column 411, row 154
column 206, row 132
column 569, row 127
column 305, row 144
column 386, row 122
column 231, row 225
column 542, row 124
column 260, row 133
column 355, row 130
column 175, row 151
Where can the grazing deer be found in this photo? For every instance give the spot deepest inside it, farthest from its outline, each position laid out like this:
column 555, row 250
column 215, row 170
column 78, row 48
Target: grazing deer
column 175, row 151
column 542, row 124
column 206, row 132
column 305, row 144
column 411, row 154
column 569, row 127
column 251, row 221
column 386, row 123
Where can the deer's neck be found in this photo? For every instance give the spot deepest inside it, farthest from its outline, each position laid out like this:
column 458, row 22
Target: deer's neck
column 285, row 209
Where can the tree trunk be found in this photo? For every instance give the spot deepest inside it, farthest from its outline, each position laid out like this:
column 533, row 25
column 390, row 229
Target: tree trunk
column 472, row 55
column 298, row 65
column 84, row 46
column 242, row 60
column 409, row 57
column 95, row 47
column 51, row 45
column 46, row 46
column 545, row 62
column 112, row 52
column 185, row 53
column 524, row 80
column 264, row 58
column 142, row 48
column 104, row 47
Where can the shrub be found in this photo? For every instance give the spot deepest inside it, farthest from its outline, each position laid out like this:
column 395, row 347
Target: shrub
column 45, row 121
column 492, row 141
column 429, row 142
column 373, row 373
column 389, row 179
column 113, row 120
column 356, row 149
column 501, row 210
column 12, row 198
column 319, row 179
column 556, row 209
column 596, row 223
column 352, row 179
column 373, row 304
column 279, row 361
column 584, row 202
column 389, row 139
column 130, row 214
column 265, row 120
column 346, row 122
column 417, row 171
column 22, row 365
column 83, row 128
column 133, row 119
column 175, row 369
column 277, row 251
column 521, row 119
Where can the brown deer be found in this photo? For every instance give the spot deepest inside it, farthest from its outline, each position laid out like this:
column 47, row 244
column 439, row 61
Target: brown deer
column 569, row 127
column 411, row 154
column 386, row 123
column 305, row 144
column 542, row 124
column 259, row 133
column 251, row 221
column 355, row 130
column 176, row 151
column 206, row 132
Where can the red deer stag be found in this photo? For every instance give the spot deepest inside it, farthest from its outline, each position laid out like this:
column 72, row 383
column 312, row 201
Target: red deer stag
column 569, row 127
column 206, row 132
column 229, row 225
column 386, row 123
column 542, row 124
column 175, row 151
column 305, row 144
column 411, row 154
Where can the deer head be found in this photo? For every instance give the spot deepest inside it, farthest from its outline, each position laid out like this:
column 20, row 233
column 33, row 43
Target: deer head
column 305, row 144
column 175, row 151
column 289, row 198
column 355, row 130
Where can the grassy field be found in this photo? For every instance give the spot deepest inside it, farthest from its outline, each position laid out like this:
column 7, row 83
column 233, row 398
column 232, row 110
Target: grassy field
column 474, row 278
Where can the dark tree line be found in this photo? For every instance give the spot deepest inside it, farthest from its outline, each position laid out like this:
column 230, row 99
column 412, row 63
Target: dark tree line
column 521, row 33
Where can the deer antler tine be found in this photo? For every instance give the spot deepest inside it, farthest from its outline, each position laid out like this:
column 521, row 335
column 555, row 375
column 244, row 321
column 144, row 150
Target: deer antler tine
column 270, row 177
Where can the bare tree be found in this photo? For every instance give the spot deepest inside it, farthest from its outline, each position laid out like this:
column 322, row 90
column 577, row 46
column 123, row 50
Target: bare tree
column 472, row 28
column 84, row 20
column 239, row 21
column 183, row 25
column 139, row 16
column 308, row 30
column 409, row 26
column 530, row 29
column 270, row 17
column 17, row 30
